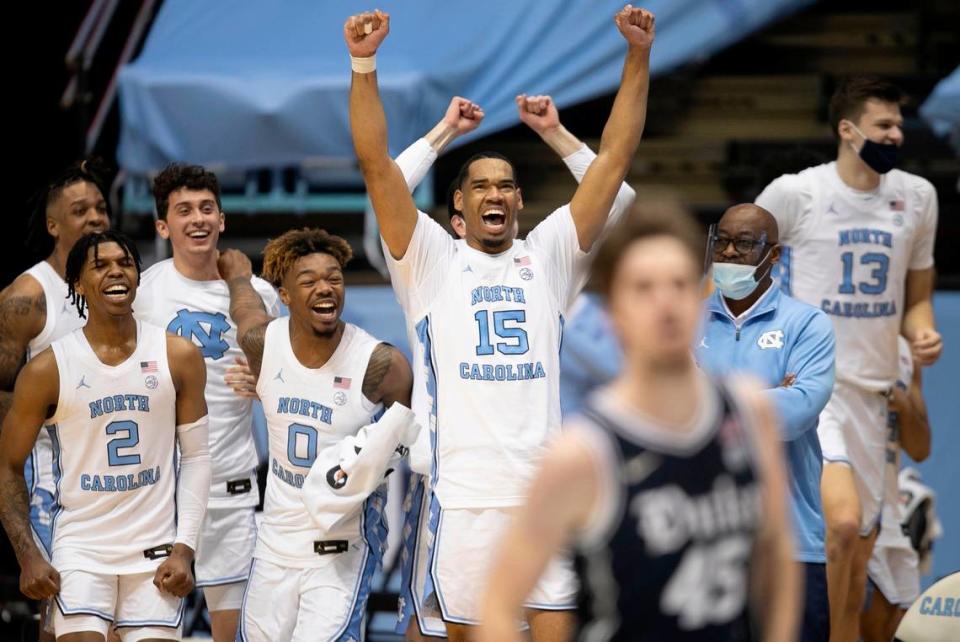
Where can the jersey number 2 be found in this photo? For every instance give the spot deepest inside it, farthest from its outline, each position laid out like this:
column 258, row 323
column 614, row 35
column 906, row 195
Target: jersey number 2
column 130, row 438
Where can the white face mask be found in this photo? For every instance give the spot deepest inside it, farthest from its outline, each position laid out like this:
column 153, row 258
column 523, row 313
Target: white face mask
column 737, row 281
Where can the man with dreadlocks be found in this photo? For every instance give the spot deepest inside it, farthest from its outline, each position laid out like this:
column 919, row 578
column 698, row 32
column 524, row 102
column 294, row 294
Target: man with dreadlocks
column 337, row 406
column 118, row 397
column 34, row 310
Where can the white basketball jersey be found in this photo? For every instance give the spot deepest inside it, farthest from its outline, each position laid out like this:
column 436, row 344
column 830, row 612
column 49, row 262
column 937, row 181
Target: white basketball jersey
column 114, row 437
column 62, row 319
column 308, row 410
column 848, row 252
column 200, row 311
column 62, row 316
column 485, row 333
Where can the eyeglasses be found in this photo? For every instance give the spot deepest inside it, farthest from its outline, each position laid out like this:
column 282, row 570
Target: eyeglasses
column 741, row 245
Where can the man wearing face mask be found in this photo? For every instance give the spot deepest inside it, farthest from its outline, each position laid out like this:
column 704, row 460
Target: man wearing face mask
column 752, row 327
column 858, row 241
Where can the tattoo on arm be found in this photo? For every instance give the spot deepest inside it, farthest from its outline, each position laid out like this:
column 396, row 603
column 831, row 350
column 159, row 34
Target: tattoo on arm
column 14, row 313
column 14, row 513
column 244, row 298
column 377, row 370
column 251, row 317
column 252, row 344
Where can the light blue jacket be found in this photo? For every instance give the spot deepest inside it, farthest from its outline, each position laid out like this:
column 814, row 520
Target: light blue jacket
column 781, row 336
column 589, row 353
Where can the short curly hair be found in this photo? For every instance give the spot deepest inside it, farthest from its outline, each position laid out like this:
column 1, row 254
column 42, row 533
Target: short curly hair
column 182, row 176
column 281, row 253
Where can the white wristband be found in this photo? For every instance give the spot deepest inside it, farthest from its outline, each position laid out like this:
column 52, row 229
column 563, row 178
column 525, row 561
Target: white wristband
column 364, row 65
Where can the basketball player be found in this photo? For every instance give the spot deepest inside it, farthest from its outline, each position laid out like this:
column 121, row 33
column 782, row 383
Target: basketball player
column 487, row 312
column 463, row 116
column 321, row 381
column 117, row 397
column 186, row 296
column 34, row 311
column 670, row 485
column 858, row 239
column 893, row 568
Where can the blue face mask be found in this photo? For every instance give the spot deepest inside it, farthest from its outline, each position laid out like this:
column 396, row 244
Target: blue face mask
column 880, row 157
column 735, row 280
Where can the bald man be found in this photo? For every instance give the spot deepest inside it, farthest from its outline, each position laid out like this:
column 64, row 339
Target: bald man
column 752, row 327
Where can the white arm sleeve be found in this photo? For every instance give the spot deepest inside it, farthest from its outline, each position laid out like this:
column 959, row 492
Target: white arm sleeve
column 578, row 162
column 193, row 485
column 365, row 458
column 415, row 161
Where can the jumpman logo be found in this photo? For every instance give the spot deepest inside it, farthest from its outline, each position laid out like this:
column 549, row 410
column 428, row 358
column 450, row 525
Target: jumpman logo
column 279, row 376
column 703, row 343
column 468, row 269
column 832, row 209
column 82, row 384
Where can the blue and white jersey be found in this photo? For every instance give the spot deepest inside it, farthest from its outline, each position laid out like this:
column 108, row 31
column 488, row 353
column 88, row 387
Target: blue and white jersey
column 114, row 441
column 308, row 410
column 485, row 332
column 848, row 252
column 62, row 318
column 200, row 311
column 667, row 551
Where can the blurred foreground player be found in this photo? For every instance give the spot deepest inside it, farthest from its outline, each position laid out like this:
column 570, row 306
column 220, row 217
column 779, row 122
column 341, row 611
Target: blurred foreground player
column 670, row 486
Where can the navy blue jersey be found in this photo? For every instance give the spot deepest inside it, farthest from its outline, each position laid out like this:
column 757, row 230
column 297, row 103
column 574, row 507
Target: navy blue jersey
column 671, row 558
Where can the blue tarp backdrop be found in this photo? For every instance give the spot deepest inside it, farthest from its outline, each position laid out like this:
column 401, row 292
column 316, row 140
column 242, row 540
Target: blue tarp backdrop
column 255, row 83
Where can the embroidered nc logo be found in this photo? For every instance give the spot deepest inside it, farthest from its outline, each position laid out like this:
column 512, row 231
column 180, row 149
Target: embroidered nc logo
column 203, row 328
column 771, row 339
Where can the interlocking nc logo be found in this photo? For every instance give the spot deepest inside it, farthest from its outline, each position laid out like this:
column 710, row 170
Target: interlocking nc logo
column 771, row 339
column 203, row 328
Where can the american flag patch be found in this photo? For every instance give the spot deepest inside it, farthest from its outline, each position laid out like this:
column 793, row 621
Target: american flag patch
column 341, row 382
column 898, row 205
column 148, row 366
column 522, row 261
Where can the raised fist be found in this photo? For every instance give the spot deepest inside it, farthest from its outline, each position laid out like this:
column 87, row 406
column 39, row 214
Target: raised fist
column 636, row 25
column 365, row 31
column 538, row 112
column 462, row 115
column 234, row 264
